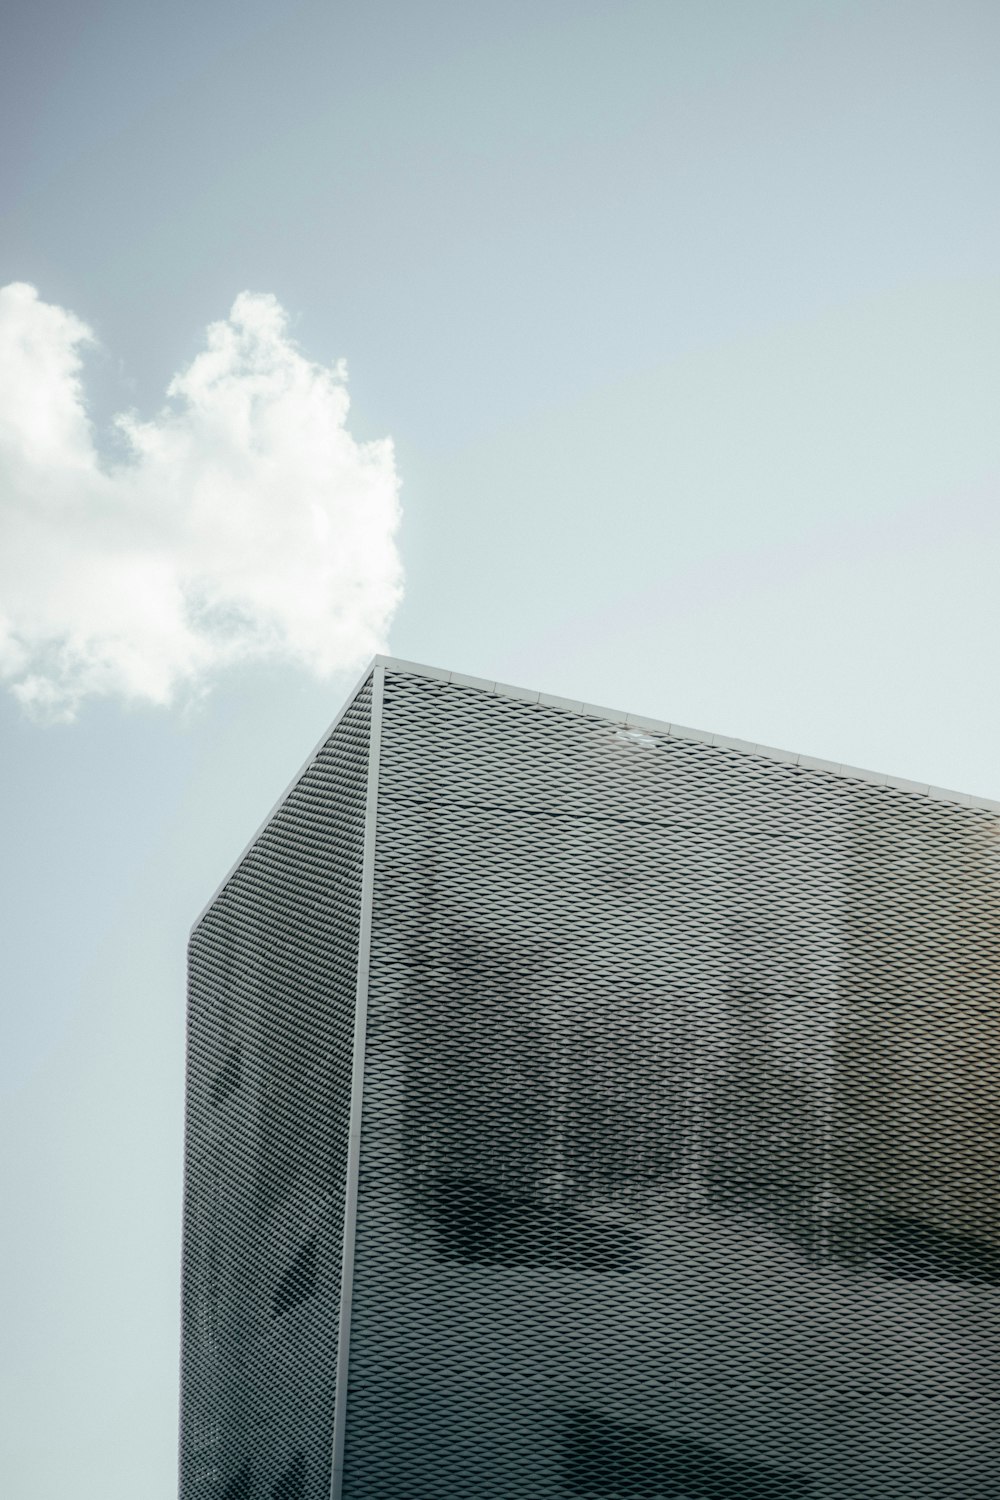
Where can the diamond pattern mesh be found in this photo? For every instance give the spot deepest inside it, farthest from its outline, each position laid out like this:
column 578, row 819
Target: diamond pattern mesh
column 273, row 970
column 681, row 1130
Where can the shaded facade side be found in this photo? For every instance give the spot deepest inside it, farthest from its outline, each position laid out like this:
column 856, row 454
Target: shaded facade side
column 681, row 1135
column 272, row 981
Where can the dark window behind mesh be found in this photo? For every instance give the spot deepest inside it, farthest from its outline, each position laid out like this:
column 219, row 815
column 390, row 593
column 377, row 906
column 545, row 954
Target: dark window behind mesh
column 680, row 1168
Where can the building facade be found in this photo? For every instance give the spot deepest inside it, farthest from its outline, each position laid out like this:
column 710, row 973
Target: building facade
column 582, row 1106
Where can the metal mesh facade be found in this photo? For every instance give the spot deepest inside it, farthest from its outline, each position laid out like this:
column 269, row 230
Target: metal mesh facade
column 272, row 975
column 679, row 1159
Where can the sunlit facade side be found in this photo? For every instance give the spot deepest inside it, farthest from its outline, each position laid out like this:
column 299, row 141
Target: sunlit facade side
column 579, row 1106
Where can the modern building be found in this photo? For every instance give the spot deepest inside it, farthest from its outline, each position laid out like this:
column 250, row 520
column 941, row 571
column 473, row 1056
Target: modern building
column 581, row 1106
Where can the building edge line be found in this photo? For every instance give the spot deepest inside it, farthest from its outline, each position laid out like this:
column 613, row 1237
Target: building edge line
column 357, row 1089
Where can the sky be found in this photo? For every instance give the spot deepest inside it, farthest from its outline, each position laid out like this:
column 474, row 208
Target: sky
column 647, row 353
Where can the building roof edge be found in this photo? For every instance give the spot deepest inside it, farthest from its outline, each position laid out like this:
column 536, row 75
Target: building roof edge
column 684, row 732
column 597, row 711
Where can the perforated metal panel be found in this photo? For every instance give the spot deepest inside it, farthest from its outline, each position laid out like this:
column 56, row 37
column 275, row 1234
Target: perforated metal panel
column 273, row 969
column 679, row 1168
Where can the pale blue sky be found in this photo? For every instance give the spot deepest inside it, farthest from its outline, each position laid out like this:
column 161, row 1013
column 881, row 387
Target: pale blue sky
column 685, row 320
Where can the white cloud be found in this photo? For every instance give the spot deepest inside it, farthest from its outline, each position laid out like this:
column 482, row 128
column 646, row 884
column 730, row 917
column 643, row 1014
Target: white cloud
column 245, row 522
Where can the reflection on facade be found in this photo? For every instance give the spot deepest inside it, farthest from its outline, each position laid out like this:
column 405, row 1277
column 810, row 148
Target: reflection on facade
column 679, row 1158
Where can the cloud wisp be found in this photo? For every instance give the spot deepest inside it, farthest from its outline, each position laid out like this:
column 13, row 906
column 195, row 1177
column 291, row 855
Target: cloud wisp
column 244, row 522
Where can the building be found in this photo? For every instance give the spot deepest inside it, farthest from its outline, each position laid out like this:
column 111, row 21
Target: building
column 583, row 1106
